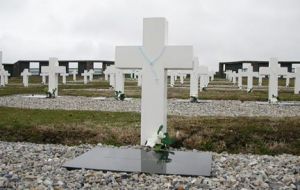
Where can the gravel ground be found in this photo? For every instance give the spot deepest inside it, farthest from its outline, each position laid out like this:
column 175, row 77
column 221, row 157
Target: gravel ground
column 175, row 106
column 36, row 166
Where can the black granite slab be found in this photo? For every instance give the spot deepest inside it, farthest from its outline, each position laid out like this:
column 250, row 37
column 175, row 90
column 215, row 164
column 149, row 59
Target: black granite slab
column 137, row 160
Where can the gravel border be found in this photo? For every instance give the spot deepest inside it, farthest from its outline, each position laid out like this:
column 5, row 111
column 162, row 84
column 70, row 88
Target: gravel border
column 229, row 108
column 38, row 166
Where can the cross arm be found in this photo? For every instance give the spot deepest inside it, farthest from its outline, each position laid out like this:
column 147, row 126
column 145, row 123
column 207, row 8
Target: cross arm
column 178, row 57
column 128, row 57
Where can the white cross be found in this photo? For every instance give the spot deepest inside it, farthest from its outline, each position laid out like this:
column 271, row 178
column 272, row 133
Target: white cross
column 6, row 75
column 110, row 72
column 288, row 77
column 138, row 76
column 228, row 73
column 233, row 77
column 53, row 70
column 173, row 77
column 240, row 78
column 25, row 75
column 91, row 74
column 297, row 80
column 74, row 73
column 154, row 58
column 260, row 77
column 64, row 77
column 2, row 76
column 273, row 71
column 182, row 75
column 44, row 75
column 204, row 78
column 194, row 78
column 85, row 75
column 249, row 74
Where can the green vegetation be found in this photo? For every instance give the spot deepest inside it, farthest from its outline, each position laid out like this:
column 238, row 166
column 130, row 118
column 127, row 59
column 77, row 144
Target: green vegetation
column 259, row 135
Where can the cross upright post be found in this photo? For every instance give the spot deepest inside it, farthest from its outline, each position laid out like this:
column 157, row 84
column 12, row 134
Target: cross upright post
column 154, row 58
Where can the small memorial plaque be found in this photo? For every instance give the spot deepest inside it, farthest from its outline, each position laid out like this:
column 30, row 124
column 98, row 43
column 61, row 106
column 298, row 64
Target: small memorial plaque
column 137, row 160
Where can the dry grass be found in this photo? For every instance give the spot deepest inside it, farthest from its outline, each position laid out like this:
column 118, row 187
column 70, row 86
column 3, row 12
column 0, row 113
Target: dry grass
column 257, row 135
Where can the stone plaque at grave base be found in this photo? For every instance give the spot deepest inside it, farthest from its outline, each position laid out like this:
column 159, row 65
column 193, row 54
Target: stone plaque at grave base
column 137, row 160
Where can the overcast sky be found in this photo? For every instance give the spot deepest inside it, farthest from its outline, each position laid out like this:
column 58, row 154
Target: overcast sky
column 219, row 30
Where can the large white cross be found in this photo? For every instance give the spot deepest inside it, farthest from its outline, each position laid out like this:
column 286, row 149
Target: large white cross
column 273, row 71
column 154, row 58
column 53, row 70
column 25, row 75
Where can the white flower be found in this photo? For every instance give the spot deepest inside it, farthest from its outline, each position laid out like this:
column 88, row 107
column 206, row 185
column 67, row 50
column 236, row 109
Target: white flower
column 161, row 135
column 152, row 141
column 155, row 139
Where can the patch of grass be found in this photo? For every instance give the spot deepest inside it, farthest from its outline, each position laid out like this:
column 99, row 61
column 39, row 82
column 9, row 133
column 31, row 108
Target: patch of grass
column 257, row 135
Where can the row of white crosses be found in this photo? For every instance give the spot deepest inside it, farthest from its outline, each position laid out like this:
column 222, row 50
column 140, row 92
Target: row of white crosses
column 3, row 73
column 154, row 58
column 63, row 75
column 87, row 76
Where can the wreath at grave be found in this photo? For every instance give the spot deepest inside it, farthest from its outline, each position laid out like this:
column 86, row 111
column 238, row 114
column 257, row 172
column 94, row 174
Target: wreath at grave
column 276, row 97
column 50, row 94
column 193, row 99
column 119, row 95
column 250, row 90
